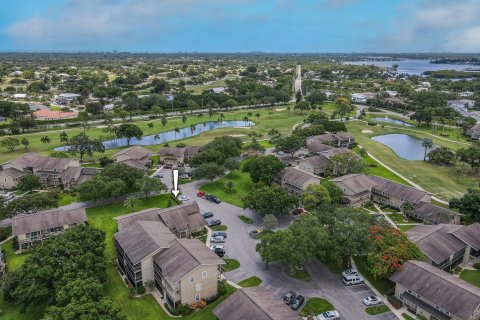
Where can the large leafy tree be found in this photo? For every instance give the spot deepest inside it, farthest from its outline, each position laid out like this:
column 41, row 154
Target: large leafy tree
column 315, row 196
column 129, row 131
column 270, row 200
column 209, row 171
column 30, row 203
column 390, row 249
column 81, row 144
column 469, row 204
column 471, row 156
column 150, row 186
column 10, row 143
column 290, row 144
column 348, row 162
column 264, row 169
column 28, row 182
column 218, row 150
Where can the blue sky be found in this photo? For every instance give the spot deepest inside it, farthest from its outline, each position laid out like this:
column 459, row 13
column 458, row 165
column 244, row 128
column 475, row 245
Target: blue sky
column 241, row 25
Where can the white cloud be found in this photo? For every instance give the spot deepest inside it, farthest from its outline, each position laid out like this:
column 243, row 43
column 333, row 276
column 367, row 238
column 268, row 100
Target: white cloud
column 81, row 22
column 432, row 25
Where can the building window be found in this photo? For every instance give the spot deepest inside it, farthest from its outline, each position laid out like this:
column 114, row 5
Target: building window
column 198, row 287
column 192, row 279
column 197, row 297
column 204, row 275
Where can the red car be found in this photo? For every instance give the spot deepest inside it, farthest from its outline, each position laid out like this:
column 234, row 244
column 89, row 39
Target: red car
column 297, row 211
column 200, row 194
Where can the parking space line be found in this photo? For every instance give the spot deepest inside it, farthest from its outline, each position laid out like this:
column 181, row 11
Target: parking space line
column 362, row 291
column 237, row 275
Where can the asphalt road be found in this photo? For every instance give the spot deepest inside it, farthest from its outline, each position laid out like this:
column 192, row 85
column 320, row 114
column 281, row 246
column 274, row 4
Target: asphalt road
column 239, row 245
column 298, row 79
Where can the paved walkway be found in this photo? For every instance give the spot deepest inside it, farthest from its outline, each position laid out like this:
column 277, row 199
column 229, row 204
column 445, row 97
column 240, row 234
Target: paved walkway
column 385, row 215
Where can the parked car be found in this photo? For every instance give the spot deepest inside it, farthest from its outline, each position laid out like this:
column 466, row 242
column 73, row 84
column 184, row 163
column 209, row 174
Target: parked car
column 217, row 239
column 255, row 234
column 372, row 300
column 297, row 211
column 328, row 315
column 208, row 214
column 184, row 176
column 280, row 153
column 184, row 198
column 287, row 164
column 8, row 196
column 158, row 175
column 216, row 246
column 349, row 272
column 200, row 194
column 219, row 234
column 212, row 198
column 352, row 280
column 289, row 297
column 297, row 303
column 214, row 222
column 219, row 252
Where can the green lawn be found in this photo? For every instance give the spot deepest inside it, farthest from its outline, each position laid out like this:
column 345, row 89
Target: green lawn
column 245, row 219
column 242, row 187
column 91, row 165
column 472, row 276
column 232, row 264
column 407, row 227
column 66, row 199
column 315, row 306
column 301, row 275
column 407, row 317
column 399, row 218
column 14, row 261
column 442, row 181
column 373, row 310
column 250, row 282
column 219, row 228
column 381, row 284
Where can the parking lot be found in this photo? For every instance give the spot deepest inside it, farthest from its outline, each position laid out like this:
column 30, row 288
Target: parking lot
column 239, row 245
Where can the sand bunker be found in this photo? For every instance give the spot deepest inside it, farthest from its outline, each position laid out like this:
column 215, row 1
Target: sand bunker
column 367, row 131
column 281, row 109
column 237, row 135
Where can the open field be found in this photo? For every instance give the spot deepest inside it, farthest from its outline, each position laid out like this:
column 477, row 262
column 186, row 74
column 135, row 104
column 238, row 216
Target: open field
column 441, row 181
column 472, row 276
column 282, row 120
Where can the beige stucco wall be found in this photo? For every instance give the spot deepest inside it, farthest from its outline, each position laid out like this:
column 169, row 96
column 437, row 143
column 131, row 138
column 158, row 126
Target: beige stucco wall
column 209, row 285
column 7, row 182
column 147, row 267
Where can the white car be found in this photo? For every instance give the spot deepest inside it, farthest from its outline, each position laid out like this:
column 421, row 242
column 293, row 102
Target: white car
column 216, row 247
column 372, row 300
column 184, row 198
column 328, row 315
column 280, row 153
column 217, row 239
column 349, row 272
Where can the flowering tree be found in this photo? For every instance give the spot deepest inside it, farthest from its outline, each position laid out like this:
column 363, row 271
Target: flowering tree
column 390, row 249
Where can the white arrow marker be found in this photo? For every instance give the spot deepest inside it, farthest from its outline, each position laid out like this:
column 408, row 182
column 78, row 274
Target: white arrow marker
column 175, row 190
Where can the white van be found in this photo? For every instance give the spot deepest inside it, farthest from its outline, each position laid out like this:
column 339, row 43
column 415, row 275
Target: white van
column 352, row 279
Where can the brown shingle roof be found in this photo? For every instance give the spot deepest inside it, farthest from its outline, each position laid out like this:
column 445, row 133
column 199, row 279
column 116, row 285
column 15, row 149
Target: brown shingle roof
column 317, row 161
column 43, row 220
column 436, row 241
column 356, row 182
column 436, row 214
column 256, row 303
column 142, row 238
column 135, row 152
column 39, row 162
column 440, row 288
column 316, row 146
column 150, row 214
column 336, row 151
column 470, row 235
column 398, row 190
column 296, row 176
column 12, row 172
column 184, row 256
column 192, row 151
column 183, row 217
column 176, row 152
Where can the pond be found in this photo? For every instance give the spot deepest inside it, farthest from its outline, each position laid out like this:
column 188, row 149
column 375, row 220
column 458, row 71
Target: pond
column 404, row 145
column 392, row 120
column 172, row 135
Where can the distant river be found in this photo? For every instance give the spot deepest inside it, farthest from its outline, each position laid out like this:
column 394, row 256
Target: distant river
column 171, row 135
column 412, row 66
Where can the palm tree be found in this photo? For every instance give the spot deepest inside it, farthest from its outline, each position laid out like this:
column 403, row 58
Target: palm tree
column 245, row 119
column 427, row 143
column 63, row 137
column 288, row 110
column 176, row 130
column 184, row 118
column 156, row 137
column 249, row 114
column 200, row 115
column 45, row 139
column 257, row 115
column 193, row 127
